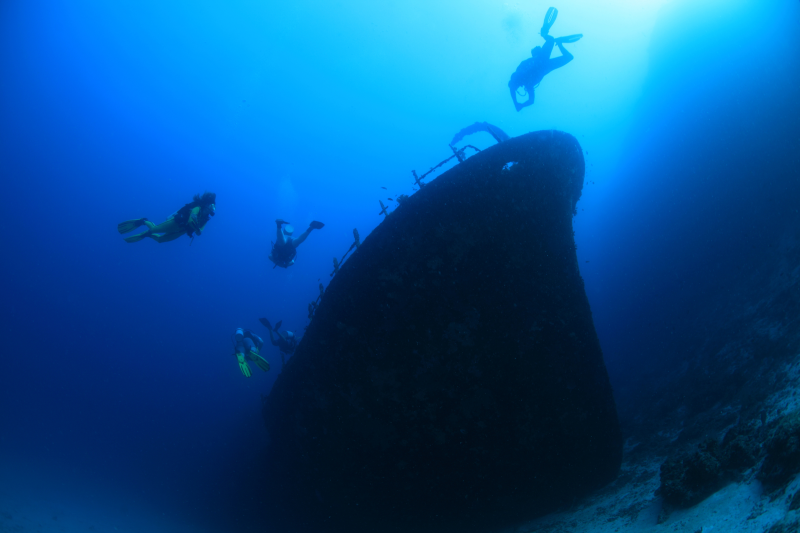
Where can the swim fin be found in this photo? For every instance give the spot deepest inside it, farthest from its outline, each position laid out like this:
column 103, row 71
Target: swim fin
column 278, row 325
column 130, row 225
column 260, row 362
column 570, row 38
column 265, row 323
column 316, row 225
column 136, row 238
column 549, row 19
column 243, row 365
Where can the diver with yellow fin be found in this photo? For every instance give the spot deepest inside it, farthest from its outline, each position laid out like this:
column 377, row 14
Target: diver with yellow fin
column 188, row 220
column 246, row 345
column 284, row 250
column 531, row 71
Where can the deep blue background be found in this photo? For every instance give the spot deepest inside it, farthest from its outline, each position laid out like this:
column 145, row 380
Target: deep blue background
column 116, row 374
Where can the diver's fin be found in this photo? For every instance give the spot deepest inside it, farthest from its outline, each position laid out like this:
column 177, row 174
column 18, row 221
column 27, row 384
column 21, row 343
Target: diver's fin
column 549, row 19
column 265, row 323
column 130, row 225
column 570, row 38
column 278, row 325
column 136, row 238
column 316, row 225
column 260, row 362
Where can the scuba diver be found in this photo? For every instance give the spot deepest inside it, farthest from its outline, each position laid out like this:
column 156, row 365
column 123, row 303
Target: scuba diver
column 189, row 219
column 284, row 250
column 530, row 72
column 286, row 342
column 246, row 345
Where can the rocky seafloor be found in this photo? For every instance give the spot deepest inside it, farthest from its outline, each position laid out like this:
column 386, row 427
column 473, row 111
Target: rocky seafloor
column 714, row 444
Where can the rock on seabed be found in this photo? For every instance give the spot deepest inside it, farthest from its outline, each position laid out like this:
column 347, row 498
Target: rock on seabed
column 452, row 379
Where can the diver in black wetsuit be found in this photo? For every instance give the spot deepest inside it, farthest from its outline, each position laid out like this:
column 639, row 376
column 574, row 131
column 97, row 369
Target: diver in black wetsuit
column 286, row 342
column 284, row 250
column 531, row 71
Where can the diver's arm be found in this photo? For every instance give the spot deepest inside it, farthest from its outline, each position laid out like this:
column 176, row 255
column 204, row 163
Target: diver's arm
column 529, row 101
column 514, row 96
column 192, row 221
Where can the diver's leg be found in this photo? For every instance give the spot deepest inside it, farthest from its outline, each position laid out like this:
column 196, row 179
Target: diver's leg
column 249, row 346
column 564, row 52
column 168, row 226
column 547, row 49
column 239, row 347
column 258, row 342
column 253, row 355
column 558, row 62
column 303, row 236
column 280, row 240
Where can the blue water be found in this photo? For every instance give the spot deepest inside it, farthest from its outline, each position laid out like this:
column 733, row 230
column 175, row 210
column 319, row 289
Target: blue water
column 118, row 390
